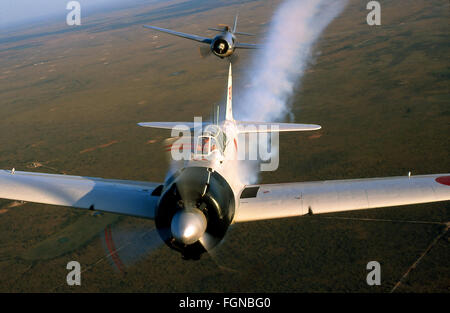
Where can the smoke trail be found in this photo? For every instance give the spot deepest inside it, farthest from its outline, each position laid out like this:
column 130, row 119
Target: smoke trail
column 277, row 70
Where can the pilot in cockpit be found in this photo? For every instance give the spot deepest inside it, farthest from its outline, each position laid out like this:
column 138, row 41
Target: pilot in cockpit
column 205, row 145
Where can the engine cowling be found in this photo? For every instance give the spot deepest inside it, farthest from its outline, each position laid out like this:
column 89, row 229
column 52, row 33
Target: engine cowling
column 195, row 210
column 222, row 46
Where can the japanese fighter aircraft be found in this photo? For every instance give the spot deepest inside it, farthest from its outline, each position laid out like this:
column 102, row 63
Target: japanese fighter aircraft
column 222, row 45
column 201, row 197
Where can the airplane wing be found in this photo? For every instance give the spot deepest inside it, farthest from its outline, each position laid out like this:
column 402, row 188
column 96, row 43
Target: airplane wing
column 241, row 45
column 255, row 127
column 180, row 34
column 259, row 202
column 116, row 196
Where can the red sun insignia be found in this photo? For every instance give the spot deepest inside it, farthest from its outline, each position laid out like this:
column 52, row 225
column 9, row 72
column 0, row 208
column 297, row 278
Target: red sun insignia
column 444, row 180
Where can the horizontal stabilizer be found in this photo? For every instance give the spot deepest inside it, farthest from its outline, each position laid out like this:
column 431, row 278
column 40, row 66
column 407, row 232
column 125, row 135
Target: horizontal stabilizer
column 171, row 125
column 241, row 45
column 217, row 29
column 245, row 34
column 263, row 127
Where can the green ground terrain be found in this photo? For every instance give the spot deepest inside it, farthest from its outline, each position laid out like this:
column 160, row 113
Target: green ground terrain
column 70, row 99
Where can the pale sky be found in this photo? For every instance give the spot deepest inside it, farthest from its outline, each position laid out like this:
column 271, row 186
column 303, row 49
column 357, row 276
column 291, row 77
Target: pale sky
column 15, row 12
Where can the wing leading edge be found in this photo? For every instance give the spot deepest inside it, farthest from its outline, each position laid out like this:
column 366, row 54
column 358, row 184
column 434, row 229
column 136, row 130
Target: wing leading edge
column 180, row 34
column 116, row 196
column 293, row 199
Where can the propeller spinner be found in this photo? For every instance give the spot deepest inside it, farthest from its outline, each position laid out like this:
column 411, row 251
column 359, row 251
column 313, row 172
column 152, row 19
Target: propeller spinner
column 188, row 226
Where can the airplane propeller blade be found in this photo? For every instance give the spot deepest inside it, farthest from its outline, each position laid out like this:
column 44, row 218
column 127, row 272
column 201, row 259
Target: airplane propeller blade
column 125, row 247
column 209, row 242
column 234, row 58
column 168, row 145
column 205, row 51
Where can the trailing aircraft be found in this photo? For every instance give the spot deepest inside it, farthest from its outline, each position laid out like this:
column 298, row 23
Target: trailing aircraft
column 222, row 45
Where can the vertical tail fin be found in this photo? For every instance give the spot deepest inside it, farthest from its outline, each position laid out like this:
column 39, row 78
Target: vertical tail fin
column 235, row 23
column 229, row 107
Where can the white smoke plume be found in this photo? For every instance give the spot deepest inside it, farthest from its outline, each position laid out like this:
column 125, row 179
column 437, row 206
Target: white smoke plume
column 278, row 67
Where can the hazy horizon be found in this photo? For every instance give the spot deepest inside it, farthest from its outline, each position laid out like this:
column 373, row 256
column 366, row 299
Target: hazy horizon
column 16, row 13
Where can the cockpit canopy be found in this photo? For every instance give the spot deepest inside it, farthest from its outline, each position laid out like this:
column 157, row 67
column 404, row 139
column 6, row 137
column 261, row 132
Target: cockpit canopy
column 211, row 140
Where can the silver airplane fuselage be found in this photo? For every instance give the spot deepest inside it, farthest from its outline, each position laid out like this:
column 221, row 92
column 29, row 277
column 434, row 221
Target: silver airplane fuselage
column 198, row 200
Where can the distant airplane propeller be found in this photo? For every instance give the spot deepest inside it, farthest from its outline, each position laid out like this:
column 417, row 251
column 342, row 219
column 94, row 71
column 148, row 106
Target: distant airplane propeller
column 204, row 51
